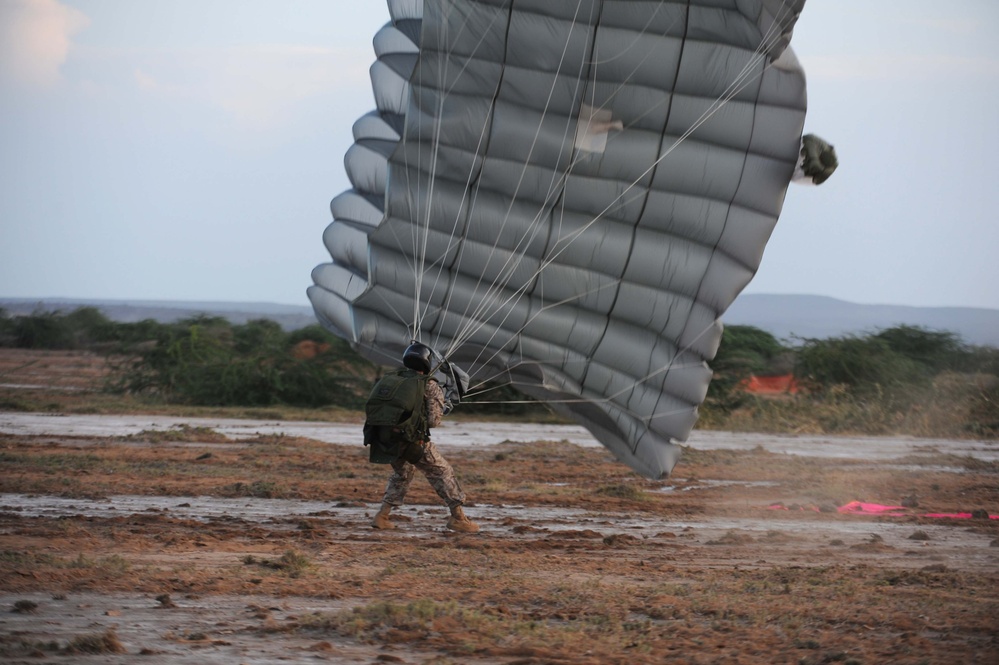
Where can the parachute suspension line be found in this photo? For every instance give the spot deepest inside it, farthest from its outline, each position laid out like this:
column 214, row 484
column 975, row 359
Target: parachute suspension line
column 563, row 241
column 536, row 222
column 546, row 262
column 470, row 178
column 419, row 248
column 517, row 294
column 595, row 61
column 422, row 227
column 487, row 303
column 452, row 242
column 633, row 235
column 502, row 281
column 507, row 270
column 742, row 80
column 740, row 83
column 421, row 240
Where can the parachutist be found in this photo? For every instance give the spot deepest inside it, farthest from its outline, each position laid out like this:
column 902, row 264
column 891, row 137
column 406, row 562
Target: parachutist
column 417, row 451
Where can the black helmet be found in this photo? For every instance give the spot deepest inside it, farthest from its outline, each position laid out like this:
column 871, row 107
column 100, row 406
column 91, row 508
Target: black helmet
column 418, row 357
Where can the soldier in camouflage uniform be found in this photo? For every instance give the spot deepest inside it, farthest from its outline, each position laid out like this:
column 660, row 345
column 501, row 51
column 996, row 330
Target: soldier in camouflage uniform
column 433, row 465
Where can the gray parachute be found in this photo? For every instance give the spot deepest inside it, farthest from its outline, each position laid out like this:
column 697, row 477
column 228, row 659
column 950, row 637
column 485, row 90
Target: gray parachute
column 566, row 196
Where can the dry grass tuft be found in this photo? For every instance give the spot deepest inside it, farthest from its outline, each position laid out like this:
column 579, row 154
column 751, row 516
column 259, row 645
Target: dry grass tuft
column 96, row 643
column 25, row 607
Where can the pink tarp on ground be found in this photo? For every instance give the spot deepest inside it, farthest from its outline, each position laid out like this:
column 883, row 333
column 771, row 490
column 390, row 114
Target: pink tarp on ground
column 862, row 508
column 869, row 508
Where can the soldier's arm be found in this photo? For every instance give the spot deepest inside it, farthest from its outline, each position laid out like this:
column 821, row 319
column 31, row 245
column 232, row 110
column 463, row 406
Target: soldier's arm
column 434, row 399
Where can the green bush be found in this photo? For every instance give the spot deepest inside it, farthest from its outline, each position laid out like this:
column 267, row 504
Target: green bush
column 83, row 328
column 207, row 361
column 933, row 349
column 862, row 364
column 42, row 330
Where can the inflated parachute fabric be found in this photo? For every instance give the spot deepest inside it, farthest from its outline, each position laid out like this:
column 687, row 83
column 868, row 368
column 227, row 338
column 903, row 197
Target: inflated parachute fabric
column 567, row 196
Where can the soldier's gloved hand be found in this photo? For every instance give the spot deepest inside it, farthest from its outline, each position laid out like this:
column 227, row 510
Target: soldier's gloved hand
column 448, row 407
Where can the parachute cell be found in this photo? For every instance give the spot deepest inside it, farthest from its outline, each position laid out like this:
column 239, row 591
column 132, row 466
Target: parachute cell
column 566, row 197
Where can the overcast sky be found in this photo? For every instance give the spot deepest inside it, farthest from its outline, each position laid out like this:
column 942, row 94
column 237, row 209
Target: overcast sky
column 188, row 149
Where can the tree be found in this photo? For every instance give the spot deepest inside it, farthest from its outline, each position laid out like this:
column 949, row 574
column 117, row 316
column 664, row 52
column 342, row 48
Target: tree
column 863, row 364
column 42, row 330
column 935, row 350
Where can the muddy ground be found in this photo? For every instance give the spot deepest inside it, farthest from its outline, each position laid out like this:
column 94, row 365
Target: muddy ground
column 150, row 539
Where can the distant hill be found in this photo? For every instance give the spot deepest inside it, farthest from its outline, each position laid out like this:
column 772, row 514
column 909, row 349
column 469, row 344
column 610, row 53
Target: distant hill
column 787, row 317
column 289, row 317
column 819, row 317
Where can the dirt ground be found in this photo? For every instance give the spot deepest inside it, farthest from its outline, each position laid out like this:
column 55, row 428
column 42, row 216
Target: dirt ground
column 185, row 542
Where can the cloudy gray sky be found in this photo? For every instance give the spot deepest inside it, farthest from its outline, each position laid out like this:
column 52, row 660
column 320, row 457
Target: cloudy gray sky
column 188, row 149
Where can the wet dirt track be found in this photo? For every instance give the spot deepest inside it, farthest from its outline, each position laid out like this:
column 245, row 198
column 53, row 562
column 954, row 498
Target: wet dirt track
column 259, row 540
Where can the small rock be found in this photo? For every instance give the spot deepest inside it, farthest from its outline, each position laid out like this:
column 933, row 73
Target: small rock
column 919, row 535
column 25, row 607
column 165, row 601
column 322, row 646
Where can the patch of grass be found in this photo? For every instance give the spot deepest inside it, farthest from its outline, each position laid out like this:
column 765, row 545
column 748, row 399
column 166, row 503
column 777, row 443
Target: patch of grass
column 265, row 414
column 623, row 491
column 732, row 538
column 182, row 433
column 52, row 463
column 21, row 648
column 381, row 616
column 81, row 402
column 96, row 643
column 16, row 404
column 292, row 563
column 113, row 564
column 15, row 559
column 260, row 489
column 25, row 607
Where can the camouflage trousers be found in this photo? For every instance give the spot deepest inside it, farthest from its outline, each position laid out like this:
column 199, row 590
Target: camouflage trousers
column 439, row 474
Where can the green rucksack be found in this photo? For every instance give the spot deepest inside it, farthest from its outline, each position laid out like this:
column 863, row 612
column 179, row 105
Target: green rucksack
column 396, row 421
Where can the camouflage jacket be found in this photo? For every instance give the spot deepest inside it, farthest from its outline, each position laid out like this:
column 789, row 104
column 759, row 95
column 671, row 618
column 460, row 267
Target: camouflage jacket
column 433, row 401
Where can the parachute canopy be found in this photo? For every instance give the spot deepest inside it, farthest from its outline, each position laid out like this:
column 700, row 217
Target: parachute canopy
column 566, row 196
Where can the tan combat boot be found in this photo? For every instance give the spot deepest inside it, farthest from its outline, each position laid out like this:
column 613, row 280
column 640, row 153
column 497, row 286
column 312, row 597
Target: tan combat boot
column 460, row 522
column 381, row 520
